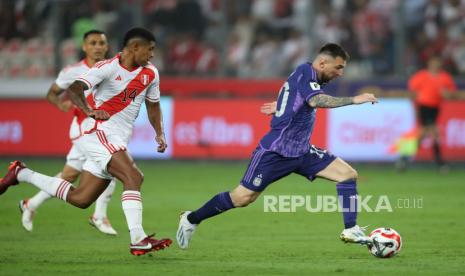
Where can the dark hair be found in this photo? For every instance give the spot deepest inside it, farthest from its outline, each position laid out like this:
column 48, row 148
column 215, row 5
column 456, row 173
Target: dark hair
column 139, row 33
column 86, row 34
column 334, row 50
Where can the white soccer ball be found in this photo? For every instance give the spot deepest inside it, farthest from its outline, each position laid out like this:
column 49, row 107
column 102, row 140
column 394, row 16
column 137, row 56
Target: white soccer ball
column 386, row 242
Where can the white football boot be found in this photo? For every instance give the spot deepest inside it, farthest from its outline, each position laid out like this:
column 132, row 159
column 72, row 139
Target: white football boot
column 185, row 230
column 27, row 215
column 103, row 225
column 355, row 234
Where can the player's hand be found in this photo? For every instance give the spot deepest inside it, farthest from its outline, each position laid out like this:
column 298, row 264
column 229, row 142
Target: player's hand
column 65, row 106
column 268, row 108
column 161, row 140
column 98, row 114
column 365, row 98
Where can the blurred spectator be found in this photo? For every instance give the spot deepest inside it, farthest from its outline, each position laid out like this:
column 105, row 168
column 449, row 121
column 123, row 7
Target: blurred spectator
column 264, row 58
column 373, row 36
column 192, row 35
column 294, row 51
column 458, row 55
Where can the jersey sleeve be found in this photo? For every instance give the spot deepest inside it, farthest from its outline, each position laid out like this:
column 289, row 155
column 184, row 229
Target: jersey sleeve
column 96, row 74
column 310, row 89
column 153, row 91
column 65, row 78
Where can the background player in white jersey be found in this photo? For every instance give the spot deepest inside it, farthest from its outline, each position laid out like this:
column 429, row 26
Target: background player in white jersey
column 121, row 85
column 95, row 47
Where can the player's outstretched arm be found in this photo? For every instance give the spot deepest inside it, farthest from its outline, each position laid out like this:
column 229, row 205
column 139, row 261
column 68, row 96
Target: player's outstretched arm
column 268, row 108
column 52, row 96
column 156, row 120
column 77, row 97
column 327, row 101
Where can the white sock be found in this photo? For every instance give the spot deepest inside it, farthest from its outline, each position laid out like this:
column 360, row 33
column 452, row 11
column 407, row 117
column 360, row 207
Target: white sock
column 102, row 201
column 132, row 207
column 34, row 202
column 52, row 185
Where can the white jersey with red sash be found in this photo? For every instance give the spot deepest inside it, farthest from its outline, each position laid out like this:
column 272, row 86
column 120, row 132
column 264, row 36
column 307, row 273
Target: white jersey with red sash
column 65, row 78
column 120, row 92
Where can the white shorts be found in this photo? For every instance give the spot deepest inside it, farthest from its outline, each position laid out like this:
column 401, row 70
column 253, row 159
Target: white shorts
column 98, row 148
column 75, row 158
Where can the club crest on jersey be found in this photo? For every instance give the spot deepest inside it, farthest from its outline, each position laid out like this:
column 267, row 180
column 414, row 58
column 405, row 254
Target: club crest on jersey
column 314, row 86
column 144, row 79
column 257, row 180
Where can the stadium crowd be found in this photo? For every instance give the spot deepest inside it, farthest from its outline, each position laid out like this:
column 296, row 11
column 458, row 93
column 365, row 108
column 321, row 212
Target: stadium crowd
column 240, row 38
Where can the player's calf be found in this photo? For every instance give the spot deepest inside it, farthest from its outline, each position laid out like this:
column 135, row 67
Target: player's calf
column 78, row 199
column 242, row 197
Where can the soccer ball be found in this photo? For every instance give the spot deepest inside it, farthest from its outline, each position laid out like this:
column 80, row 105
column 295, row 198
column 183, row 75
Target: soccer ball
column 386, row 242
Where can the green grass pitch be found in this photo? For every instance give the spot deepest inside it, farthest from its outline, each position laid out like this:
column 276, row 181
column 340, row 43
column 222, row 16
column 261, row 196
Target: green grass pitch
column 243, row 241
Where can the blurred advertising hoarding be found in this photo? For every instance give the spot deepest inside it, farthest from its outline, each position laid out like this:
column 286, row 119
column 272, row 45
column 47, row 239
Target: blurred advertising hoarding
column 217, row 128
column 231, row 129
column 224, row 129
column 37, row 128
column 366, row 132
column 142, row 143
column 33, row 128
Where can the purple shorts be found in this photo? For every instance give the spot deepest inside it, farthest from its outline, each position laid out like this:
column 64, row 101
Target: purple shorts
column 266, row 167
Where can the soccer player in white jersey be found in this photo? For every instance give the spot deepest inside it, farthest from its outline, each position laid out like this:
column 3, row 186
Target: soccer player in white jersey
column 95, row 47
column 121, row 85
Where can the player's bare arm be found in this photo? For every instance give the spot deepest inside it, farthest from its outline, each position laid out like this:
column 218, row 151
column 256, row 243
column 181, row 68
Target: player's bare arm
column 52, row 96
column 268, row 108
column 77, row 89
column 156, row 120
column 327, row 101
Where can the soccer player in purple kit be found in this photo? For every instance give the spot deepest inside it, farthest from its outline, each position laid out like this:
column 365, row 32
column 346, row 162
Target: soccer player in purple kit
column 285, row 149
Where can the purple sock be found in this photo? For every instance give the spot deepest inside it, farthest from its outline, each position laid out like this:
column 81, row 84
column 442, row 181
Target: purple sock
column 218, row 204
column 347, row 193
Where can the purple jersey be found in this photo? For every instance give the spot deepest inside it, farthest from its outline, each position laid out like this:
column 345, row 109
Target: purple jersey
column 292, row 124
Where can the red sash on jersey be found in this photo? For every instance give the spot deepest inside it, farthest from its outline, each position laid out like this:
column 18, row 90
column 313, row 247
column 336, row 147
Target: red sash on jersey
column 121, row 100
column 136, row 85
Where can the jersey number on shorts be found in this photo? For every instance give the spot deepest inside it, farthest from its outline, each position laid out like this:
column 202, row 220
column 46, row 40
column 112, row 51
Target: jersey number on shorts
column 317, row 151
column 131, row 95
column 282, row 107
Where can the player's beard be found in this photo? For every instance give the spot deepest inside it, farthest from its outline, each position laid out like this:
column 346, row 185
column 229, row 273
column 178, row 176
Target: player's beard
column 325, row 78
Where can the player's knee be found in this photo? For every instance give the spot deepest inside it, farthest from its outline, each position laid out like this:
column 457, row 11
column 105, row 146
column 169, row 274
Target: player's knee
column 69, row 177
column 136, row 177
column 133, row 179
column 349, row 174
